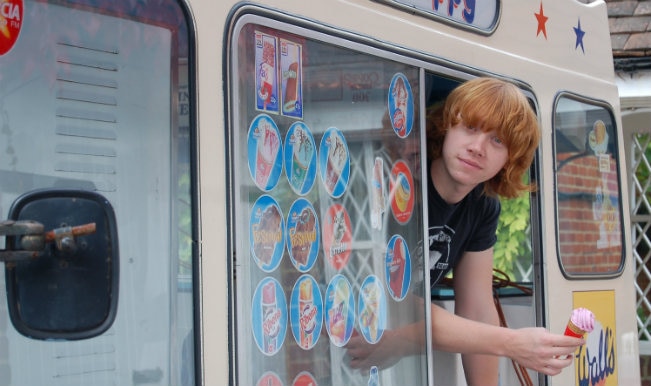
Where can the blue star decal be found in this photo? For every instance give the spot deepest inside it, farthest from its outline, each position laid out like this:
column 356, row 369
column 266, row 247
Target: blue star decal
column 579, row 36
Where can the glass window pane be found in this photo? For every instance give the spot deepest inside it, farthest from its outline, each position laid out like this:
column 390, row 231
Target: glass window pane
column 328, row 206
column 588, row 203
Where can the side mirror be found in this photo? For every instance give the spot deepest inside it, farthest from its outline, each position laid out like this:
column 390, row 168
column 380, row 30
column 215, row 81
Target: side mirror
column 61, row 264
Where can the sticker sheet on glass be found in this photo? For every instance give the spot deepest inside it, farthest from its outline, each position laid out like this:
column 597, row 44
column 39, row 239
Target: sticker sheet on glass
column 401, row 187
column 378, row 194
column 397, row 267
column 401, row 105
column 300, row 158
column 334, row 162
column 264, row 152
column 304, row 378
column 269, row 316
column 266, row 72
column 269, row 379
column 303, row 235
column 372, row 313
column 267, row 233
column 306, row 312
column 291, row 69
column 337, row 236
column 339, row 310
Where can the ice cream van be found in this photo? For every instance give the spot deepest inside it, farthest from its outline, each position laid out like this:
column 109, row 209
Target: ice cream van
column 208, row 193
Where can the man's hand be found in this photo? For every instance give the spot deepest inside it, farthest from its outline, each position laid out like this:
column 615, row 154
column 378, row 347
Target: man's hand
column 363, row 355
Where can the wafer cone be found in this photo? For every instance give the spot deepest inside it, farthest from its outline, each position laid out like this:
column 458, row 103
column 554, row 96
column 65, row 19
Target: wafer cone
column 572, row 330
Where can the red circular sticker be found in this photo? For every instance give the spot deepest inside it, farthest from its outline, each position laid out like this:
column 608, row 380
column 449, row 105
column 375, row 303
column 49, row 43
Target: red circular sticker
column 11, row 19
column 337, row 236
column 304, row 379
column 269, row 379
column 401, row 185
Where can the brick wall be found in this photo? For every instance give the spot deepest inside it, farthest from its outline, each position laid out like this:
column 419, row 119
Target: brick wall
column 590, row 239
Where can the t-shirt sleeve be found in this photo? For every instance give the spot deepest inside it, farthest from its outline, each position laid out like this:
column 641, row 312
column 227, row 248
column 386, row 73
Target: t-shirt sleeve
column 485, row 235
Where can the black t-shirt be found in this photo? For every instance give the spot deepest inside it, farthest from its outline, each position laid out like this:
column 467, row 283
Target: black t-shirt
column 469, row 225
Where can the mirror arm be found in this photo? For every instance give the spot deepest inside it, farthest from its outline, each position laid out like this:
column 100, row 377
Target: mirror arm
column 33, row 238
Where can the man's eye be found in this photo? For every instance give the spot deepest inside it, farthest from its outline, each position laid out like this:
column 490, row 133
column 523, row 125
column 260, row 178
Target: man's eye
column 498, row 140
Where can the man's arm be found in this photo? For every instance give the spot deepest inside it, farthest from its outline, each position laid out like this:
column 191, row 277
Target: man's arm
column 473, row 285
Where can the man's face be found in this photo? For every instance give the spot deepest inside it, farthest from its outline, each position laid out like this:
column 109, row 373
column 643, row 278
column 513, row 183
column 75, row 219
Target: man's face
column 473, row 156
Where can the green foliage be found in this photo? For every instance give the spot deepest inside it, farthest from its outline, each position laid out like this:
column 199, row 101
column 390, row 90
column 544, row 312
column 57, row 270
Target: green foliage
column 513, row 234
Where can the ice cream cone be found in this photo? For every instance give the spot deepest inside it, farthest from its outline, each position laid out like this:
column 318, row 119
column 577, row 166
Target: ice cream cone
column 573, row 330
column 581, row 321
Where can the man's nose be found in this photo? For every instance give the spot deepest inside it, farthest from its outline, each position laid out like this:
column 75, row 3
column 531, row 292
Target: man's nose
column 478, row 145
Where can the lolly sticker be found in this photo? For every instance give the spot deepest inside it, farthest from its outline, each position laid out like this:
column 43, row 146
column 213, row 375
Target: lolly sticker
column 401, row 105
column 300, row 158
column 269, row 379
column 339, row 310
column 266, row 233
column 397, row 267
column 337, row 236
column 306, row 312
column 11, row 22
column 303, row 235
column 266, row 72
column 304, row 378
column 401, row 187
column 372, row 314
column 264, row 152
column 291, row 69
column 269, row 316
column 334, row 162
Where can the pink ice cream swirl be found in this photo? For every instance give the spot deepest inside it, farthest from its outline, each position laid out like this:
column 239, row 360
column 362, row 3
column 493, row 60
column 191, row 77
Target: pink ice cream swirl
column 583, row 319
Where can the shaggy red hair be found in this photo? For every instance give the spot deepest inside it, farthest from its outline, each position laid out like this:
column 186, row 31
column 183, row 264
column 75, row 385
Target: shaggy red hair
column 491, row 104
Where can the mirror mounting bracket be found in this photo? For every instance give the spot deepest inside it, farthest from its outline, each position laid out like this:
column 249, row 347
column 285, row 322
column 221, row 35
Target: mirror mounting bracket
column 33, row 238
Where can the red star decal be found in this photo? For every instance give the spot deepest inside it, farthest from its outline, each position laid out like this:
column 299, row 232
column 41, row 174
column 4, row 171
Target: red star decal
column 542, row 19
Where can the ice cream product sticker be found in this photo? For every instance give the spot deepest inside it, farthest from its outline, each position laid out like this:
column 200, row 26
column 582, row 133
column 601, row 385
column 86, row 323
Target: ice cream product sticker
column 269, row 316
column 264, row 149
column 266, row 233
column 11, row 21
column 401, row 187
column 378, row 195
column 339, row 310
column 334, row 162
column 373, row 377
column 372, row 306
column 598, row 137
column 269, row 379
column 337, row 236
column 401, row 105
column 300, row 158
column 266, row 72
column 291, row 69
column 398, row 267
column 306, row 312
column 304, row 378
column 303, row 235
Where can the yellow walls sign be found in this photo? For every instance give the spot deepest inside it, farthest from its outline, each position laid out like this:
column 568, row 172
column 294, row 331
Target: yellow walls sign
column 595, row 363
